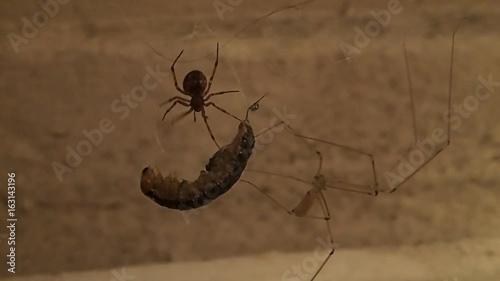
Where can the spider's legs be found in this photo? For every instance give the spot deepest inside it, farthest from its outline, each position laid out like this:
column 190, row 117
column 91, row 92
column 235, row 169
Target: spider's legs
column 172, row 106
column 394, row 178
column 311, row 196
column 221, row 109
column 219, row 93
column 213, row 72
column 178, row 118
column 174, row 98
column 173, row 74
column 208, row 127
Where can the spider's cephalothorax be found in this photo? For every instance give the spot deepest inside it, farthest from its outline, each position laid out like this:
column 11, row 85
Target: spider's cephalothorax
column 195, row 86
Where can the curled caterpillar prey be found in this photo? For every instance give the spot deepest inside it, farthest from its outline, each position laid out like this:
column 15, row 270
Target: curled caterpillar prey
column 223, row 170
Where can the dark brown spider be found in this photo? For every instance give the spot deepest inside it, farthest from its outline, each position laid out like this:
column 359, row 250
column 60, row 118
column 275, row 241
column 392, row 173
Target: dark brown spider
column 195, row 86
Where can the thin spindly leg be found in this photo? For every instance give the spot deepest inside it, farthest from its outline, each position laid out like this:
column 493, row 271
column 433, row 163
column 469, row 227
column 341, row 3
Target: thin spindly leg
column 172, row 99
column 320, row 166
column 326, row 211
column 356, row 188
column 300, row 211
column 359, row 188
column 394, row 179
column 269, row 128
column 178, row 118
column 213, row 71
column 351, row 187
column 219, row 93
column 173, row 74
column 172, row 106
column 221, row 109
column 208, row 127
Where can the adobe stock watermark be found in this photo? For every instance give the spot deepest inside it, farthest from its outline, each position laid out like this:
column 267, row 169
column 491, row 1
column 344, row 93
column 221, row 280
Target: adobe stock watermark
column 372, row 29
column 276, row 125
column 427, row 147
column 223, row 6
column 48, row 9
column 121, row 107
column 310, row 264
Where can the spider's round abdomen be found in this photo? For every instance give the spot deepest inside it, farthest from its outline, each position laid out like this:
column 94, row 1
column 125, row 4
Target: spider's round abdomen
column 195, row 83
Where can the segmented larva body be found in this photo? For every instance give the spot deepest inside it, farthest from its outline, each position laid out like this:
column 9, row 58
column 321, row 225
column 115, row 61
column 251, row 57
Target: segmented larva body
column 223, row 170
